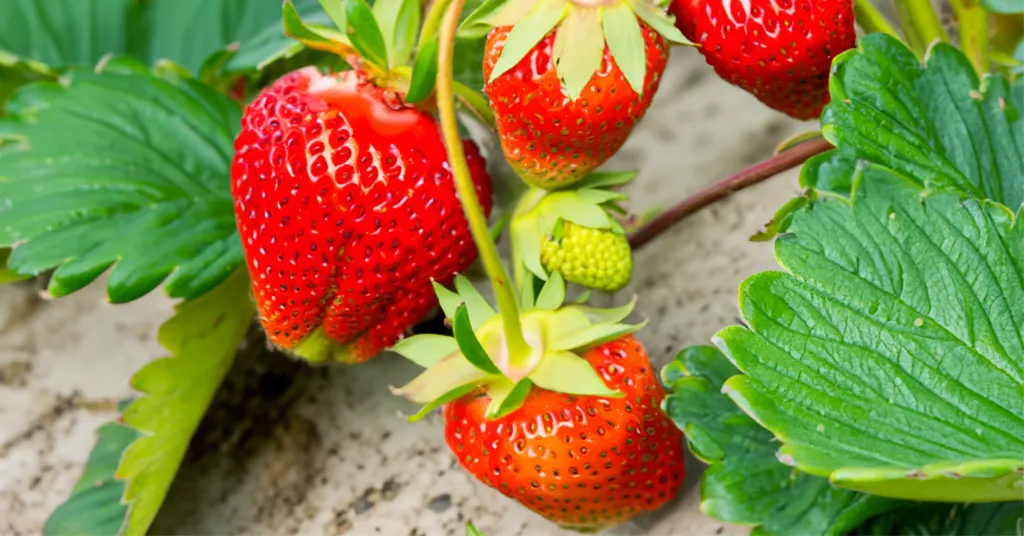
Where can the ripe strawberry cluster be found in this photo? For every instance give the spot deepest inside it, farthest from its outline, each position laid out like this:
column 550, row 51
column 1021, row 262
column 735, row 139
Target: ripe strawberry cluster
column 353, row 232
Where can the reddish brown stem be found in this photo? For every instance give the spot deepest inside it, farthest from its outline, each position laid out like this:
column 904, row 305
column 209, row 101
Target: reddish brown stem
column 723, row 188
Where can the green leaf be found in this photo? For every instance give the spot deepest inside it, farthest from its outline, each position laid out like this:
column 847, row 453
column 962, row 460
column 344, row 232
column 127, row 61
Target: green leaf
column 469, row 344
column 890, row 355
column 6, row 274
column 424, row 73
column 525, row 35
column 477, row 24
column 592, row 336
column 312, row 36
column 606, row 179
column 937, row 124
column 446, row 376
column 471, row 530
column 362, row 29
column 658, row 20
column 579, row 206
column 552, row 294
column 479, row 310
column 578, row 49
column 105, row 153
column 399, row 23
column 1003, row 6
column 746, row 483
column 271, row 43
column 426, row 349
column 94, row 507
column 454, row 394
column 932, row 519
column 506, row 397
column 626, row 43
column 202, row 338
column 566, row 372
column 63, row 33
column 448, row 300
column 337, row 10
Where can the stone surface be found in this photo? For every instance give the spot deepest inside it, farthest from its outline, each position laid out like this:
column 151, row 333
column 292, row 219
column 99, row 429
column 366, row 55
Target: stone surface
column 287, row 449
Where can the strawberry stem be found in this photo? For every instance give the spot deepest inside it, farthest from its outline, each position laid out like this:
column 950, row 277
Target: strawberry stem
column 872, row 20
column 518, row 349
column 920, row 24
column 733, row 183
column 973, row 29
column 432, row 21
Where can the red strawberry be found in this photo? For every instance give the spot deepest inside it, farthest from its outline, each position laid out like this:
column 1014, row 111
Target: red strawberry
column 778, row 50
column 584, row 462
column 565, row 91
column 552, row 141
column 347, row 210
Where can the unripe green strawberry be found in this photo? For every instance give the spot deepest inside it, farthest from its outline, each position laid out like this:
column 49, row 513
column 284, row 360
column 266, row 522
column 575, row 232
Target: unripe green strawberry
column 594, row 258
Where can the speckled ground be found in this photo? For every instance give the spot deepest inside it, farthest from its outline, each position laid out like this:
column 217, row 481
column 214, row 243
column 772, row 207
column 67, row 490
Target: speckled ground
column 293, row 450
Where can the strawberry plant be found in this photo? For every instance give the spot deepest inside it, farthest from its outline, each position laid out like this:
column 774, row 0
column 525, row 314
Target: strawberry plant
column 314, row 172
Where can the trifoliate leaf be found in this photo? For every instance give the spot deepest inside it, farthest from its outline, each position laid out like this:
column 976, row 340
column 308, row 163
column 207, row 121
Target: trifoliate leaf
column 889, row 356
column 469, row 345
column 363, row 31
column 103, row 153
column 426, row 349
column 95, row 507
column 937, row 124
column 566, row 372
column 552, row 294
column 746, row 483
column 202, row 338
column 578, row 49
column 525, row 35
column 626, row 43
column 424, row 73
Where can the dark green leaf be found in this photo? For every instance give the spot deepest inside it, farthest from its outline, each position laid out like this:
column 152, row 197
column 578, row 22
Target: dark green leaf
column 937, row 519
column 937, row 125
column 745, row 482
column 468, row 343
column 424, row 73
column 271, row 44
column 128, row 171
column 362, row 29
column 890, row 356
column 64, row 33
column 94, row 507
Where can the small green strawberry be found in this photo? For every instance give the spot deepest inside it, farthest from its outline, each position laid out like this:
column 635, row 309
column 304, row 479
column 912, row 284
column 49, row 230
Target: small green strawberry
column 594, row 258
column 572, row 232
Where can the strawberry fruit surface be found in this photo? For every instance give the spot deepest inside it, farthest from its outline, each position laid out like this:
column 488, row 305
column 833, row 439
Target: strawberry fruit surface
column 780, row 51
column 347, row 211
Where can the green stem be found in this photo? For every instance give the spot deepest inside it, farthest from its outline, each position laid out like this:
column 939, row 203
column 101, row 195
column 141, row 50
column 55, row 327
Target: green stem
column 507, row 304
column 432, row 21
column 920, row 24
column 973, row 26
column 872, row 20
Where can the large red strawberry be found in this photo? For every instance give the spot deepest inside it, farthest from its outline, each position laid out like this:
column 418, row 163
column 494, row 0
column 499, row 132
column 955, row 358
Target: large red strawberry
column 567, row 82
column 583, row 462
column 573, row 429
column 347, row 211
column 778, row 50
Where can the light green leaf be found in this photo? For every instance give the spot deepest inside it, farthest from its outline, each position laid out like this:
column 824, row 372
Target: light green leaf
column 655, row 17
column 399, row 23
column 469, row 345
column 592, row 336
column 566, row 372
column 202, row 338
column 606, row 179
column 448, row 300
column 337, row 11
column 746, row 483
column 471, row 530
column 454, row 394
column 446, row 376
column 479, row 310
column 506, row 397
column 94, row 507
column 526, row 241
column 937, row 124
column 892, row 349
column 424, row 73
column 479, row 21
column 552, row 294
column 597, row 314
column 364, row 33
column 622, row 33
column 105, row 153
column 1004, row 6
column 527, row 291
column 6, row 274
column 426, row 349
column 525, row 35
column 578, row 49
column 296, row 28
column 578, row 207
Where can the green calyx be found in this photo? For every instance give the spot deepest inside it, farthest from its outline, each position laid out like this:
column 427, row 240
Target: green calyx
column 379, row 41
column 582, row 30
column 477, row 358
column 542, row 219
